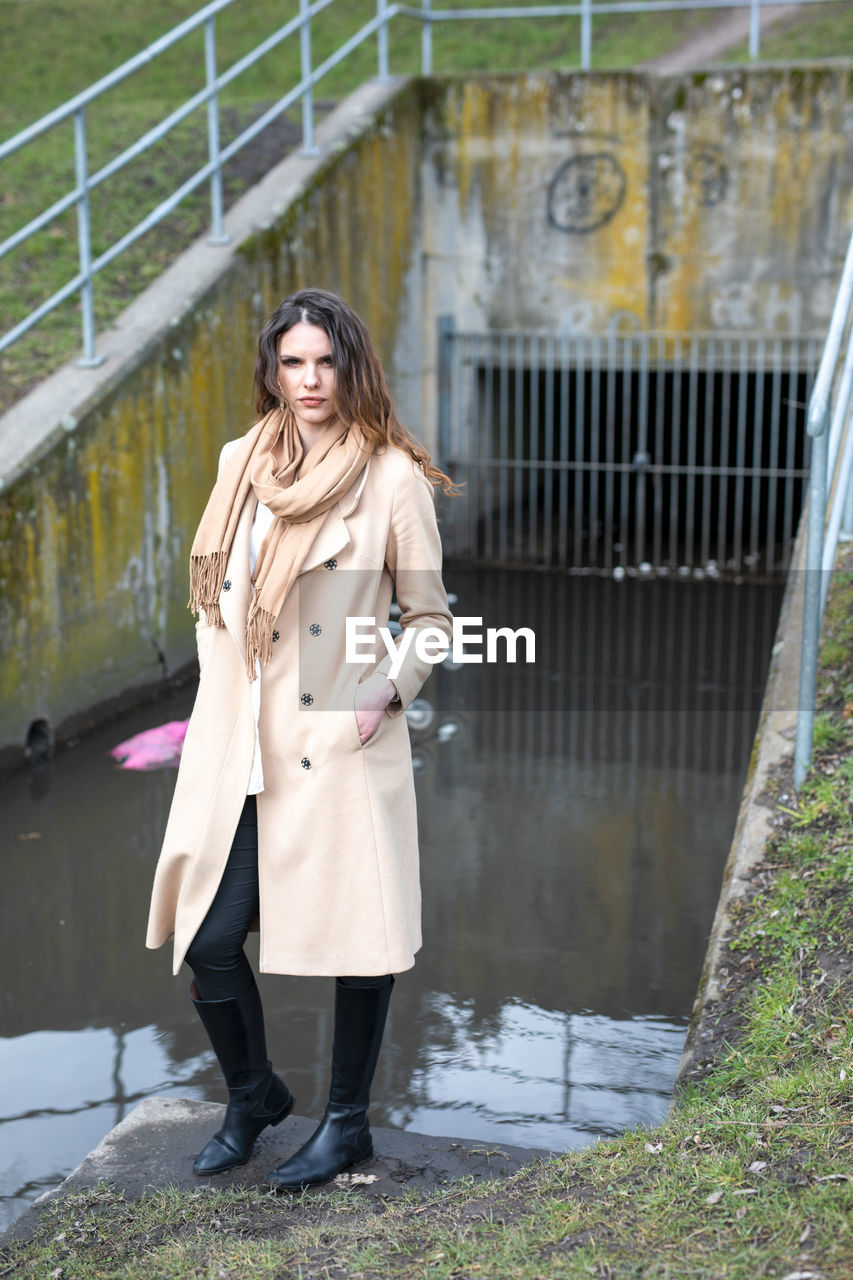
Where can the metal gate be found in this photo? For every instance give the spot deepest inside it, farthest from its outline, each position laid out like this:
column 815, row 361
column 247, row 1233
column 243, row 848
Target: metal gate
column 625, row 451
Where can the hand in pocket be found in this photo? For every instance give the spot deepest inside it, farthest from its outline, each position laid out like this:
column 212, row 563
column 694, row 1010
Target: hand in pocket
column 371, row 698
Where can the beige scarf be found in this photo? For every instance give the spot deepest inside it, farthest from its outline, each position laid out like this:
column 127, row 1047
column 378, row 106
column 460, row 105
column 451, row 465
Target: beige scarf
column 299, row 489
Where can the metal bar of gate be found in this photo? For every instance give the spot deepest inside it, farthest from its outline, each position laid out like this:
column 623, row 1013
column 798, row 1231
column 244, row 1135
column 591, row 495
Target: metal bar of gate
column 580, row 432
column 548, row 453
column 533, row 452
column 486, row 436
column 692, row 417
column 503, row 440
column 642, row 451
column 625, row 482
column 757, row 442
column 708, row 435
column 563, row 493
column 773, row 453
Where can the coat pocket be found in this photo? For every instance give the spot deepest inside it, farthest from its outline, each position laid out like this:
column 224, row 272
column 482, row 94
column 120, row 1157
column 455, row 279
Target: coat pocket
column 367, row 741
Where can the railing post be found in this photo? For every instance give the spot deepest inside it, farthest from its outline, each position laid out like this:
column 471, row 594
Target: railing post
column 812, row 595
column 754, row 27
column 847, row 517
column 426, row 38
column 309, row 147
column 586, row 34
column 817, row 424
column 382, row 38
column 217, row 228
column 84, row 242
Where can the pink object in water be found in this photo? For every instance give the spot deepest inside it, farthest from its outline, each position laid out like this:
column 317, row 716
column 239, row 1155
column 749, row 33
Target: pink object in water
column 158, row 748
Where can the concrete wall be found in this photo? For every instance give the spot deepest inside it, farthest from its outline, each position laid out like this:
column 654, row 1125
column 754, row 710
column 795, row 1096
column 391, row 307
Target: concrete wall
column 719, row 200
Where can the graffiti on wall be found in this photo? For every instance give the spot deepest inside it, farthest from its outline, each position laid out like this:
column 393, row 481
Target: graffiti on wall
column 586, row 192
column 743, row 305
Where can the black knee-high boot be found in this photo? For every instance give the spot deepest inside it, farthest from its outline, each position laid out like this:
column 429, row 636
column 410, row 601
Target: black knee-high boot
column 256, row 1095
column 343, row 1137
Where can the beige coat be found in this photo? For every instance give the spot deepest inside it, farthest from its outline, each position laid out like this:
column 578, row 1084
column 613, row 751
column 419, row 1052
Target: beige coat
column 337, row 834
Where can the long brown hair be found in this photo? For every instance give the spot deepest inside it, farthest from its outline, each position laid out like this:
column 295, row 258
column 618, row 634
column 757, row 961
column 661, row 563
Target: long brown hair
column 361, row 391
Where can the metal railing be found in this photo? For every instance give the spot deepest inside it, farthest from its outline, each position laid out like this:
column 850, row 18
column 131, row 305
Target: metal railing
column 830, row 424
column 75, row 109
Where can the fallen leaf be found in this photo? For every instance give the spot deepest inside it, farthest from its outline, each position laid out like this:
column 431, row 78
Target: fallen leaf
column 653, row 1147
column 757, row 1166
column 836, row 1177
column 805, row 1233
column 714, row 1198
column 741, row 1212
column 745, row 1191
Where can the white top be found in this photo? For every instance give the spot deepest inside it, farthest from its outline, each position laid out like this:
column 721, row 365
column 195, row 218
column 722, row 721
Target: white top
column 261, row 523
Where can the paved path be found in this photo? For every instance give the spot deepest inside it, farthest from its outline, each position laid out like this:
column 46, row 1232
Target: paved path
column 721, row 34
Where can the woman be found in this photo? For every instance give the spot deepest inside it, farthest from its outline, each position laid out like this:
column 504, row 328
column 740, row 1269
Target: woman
column 294, row 804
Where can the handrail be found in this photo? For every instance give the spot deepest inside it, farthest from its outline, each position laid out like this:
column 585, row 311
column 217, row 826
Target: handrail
column 141, row 59
column 829, row 424
column 75, row 109
column 215, row 82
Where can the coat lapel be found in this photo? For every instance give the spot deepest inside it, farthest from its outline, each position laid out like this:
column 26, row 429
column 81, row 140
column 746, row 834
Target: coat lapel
column 234, row 599
column 333, row 534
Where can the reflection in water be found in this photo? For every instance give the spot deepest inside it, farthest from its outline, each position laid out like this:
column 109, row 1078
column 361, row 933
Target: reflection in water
column 575, row 817
column 553, row 1080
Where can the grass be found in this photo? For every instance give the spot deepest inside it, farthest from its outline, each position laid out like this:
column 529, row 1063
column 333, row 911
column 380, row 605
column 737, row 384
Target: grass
column 43, row 62
column 749, row 1178
column 816, row 31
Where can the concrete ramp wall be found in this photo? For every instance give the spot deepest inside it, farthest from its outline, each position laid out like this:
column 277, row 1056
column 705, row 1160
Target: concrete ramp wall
column 105, row 472
column 717, row 200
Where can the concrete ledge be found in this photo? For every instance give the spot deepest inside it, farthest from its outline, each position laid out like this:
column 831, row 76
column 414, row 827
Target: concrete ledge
column 774, row 740
column 155, row 1146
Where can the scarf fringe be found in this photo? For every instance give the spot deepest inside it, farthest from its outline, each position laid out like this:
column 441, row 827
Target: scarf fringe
column 207, row 574
column 259, row 629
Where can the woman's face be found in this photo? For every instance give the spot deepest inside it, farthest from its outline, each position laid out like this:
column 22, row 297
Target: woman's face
column 306, row 376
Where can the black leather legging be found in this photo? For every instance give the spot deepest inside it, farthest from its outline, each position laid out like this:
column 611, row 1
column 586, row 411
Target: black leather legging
column 216, row 954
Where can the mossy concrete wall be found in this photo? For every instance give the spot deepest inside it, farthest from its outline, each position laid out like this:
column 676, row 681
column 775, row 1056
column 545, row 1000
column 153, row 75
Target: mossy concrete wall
column 719, row 200
column 105, row 472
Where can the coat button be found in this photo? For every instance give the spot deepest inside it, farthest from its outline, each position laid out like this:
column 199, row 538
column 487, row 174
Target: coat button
column 275, row 636
column 315, row 628
column 331, row 564
column 306, row 699
column 226, row 586
column 306, row 763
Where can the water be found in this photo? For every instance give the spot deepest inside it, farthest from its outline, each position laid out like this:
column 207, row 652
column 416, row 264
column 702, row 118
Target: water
column 575, row 817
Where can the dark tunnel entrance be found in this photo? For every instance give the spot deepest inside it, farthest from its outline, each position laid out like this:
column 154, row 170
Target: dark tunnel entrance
column 652, row 450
